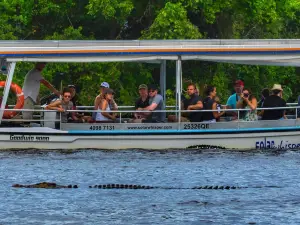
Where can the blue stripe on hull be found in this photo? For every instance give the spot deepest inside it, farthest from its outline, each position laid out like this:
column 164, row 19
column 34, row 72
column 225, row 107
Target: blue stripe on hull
column 202, row 131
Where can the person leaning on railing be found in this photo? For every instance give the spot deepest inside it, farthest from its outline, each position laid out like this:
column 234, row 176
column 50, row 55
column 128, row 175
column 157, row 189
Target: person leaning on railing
column 247, row 101
column 274, row 100
column 63, row 105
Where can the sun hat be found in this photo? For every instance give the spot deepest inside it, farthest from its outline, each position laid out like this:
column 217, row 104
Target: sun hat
column 143, row 86
column 71, row 86
column 104, row 84
column 277, row 87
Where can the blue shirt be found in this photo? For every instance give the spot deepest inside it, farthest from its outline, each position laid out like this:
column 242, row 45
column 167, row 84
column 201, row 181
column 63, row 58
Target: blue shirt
column 232, row 101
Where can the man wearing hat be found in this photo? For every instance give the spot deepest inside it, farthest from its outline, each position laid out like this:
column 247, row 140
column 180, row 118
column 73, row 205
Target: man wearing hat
column 141, row 102
column 274, row 100
column 155, row 103
column 233, row 99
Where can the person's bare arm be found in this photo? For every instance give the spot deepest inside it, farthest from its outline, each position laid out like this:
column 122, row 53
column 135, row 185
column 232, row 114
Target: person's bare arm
column 148, row 108
column 216, row 114
column 197, row 106
column 50, row 87
column 97, row 102
column 239, row 104
column 55, row 106
column 104, row 113
column 252, row 104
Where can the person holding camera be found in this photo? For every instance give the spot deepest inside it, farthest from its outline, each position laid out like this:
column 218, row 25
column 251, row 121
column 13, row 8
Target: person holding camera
column 247, row 101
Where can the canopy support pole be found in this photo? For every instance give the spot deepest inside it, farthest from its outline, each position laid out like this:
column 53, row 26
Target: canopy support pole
column 163, row 79
column 178, row 88
column 9, row 78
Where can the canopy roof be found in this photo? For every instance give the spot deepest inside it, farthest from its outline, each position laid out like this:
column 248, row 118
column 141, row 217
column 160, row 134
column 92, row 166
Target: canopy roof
column 251, row 51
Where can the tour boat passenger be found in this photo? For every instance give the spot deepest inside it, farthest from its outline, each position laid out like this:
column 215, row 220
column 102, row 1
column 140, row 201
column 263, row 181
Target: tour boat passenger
column 233, row 99
column 274, row 100
column 194, row 102
column 141, row 102
column 264, row 94
column 247, row 101
column 219, row 106
column 63, row 105
column 31, row 88
column 75, row 101
column 209, row 103
column 100, row 97
column 155, row 103
column 105, row 107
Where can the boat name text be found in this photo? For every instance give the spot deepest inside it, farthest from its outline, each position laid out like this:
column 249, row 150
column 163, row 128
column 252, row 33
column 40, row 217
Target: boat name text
column 31, row 138
column 271, row 144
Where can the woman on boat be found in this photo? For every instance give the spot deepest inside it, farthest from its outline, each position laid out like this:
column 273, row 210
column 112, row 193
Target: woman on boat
column 104, row 106
column 247, row 101
column 63, row 105
column 209, row 103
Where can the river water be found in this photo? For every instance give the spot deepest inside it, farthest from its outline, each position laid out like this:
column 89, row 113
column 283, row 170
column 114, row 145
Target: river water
column 272, row 196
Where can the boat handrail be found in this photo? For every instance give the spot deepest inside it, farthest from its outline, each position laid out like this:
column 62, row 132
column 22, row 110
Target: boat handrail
column 131, row 106
column 134, row 111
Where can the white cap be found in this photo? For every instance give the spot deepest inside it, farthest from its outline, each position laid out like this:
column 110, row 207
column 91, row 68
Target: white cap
column 104, row 84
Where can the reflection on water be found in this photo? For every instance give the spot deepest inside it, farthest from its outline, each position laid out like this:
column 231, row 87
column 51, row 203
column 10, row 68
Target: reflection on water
column 176, row 168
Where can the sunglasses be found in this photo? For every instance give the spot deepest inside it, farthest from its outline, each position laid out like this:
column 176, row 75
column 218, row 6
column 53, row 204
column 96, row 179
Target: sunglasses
column 152, row 91
column 67, row 96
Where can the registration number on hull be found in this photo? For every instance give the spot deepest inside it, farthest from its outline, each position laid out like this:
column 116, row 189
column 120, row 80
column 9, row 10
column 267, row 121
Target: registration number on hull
column 102, row 127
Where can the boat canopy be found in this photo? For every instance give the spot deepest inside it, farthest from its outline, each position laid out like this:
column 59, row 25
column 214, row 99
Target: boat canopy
column 284, row 52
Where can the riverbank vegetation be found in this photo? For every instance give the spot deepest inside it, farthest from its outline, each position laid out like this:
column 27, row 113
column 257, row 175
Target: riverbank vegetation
column 154, row 19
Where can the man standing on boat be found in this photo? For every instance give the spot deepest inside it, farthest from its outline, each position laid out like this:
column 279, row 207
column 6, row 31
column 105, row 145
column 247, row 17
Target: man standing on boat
column 31, row 88
column 155, row 103
column 233, row 99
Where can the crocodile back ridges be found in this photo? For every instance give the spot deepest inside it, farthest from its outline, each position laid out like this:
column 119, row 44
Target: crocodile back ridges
column 136, row 186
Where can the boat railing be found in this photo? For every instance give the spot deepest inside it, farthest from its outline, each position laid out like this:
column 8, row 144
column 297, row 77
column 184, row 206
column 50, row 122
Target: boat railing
column 132, row 106
column 56, row 117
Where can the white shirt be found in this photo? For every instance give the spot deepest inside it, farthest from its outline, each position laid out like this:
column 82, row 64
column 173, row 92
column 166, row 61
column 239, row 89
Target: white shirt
column 100, row 117
column 31, row 86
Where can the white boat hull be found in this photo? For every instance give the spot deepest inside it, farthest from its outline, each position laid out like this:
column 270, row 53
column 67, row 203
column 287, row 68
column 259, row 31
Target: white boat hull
column 16, row 138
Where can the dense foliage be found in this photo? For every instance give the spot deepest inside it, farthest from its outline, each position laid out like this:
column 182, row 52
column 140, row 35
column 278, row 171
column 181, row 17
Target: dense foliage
column 160, row 19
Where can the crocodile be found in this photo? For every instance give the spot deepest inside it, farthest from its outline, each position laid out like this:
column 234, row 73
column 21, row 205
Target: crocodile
column 49, row 185
column 46, row 185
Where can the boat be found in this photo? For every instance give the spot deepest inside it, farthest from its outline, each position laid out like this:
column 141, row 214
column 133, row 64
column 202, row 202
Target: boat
column 279, row 134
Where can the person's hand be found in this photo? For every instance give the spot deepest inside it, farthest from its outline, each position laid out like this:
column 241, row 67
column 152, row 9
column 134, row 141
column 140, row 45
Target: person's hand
column 113, row 117
column 189, row 107
column 60, row 109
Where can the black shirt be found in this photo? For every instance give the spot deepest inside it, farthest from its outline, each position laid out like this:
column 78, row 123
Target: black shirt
column 193, row 116
column 207, row 105
column 141, row 104
column 74, row 100
column 273, row 101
